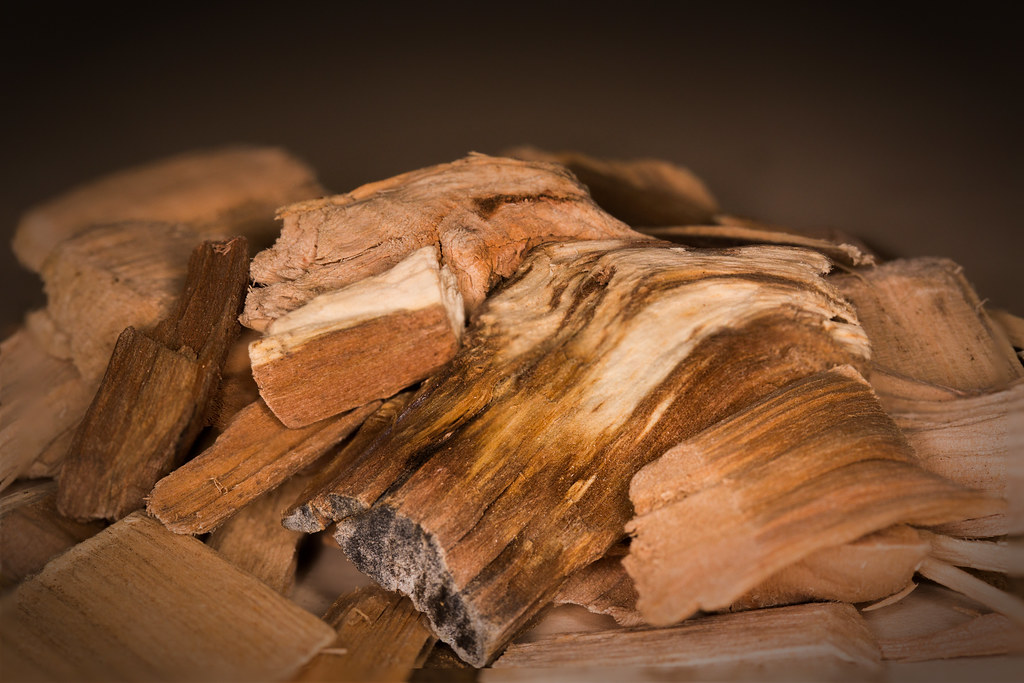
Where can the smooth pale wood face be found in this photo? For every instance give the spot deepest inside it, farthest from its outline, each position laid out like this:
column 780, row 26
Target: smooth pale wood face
column 139, row 603
column 510, row 469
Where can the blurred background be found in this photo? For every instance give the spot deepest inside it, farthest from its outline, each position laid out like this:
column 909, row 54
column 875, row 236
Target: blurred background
column 899, row 125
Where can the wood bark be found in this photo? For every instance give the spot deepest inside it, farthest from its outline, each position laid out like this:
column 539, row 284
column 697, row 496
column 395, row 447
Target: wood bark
column 482, row 498
column 254, row 455
column 808, row 638
column 363, row 342
column 139, row 603
column 380, row 637
column 154, row 397
column 223, row 192
column 32, row 532
column 482, row 213
column 42, row 398
column 640, row 192
column 254, row 540
column 815, row 465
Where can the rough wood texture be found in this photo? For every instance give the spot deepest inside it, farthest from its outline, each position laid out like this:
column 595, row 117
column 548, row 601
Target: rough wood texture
column 510, row 469
column 815, row 465
column 313, row 513
column 641, row 192
column 32, row 532
column 735, row 235
column 226, row 191
column 255, row 454
column 926, row 322
column 254, row 540
column 381, row 637
column 42, row 398
column 363, row 342
column 870, row 568
column 815, row 637
column 153, row 399
column 237, row 386
column 483, row 213
column 139, row 603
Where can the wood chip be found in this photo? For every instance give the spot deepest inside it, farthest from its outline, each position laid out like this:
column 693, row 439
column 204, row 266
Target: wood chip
column 224, row 192
column 32, row 532
column 254, row 455
column 380, row 637
column 509, row 471
column 153, row 399
column 483, row 213
column 363, row 342
column 640, row 192
column 815, row 465
column 139, row 603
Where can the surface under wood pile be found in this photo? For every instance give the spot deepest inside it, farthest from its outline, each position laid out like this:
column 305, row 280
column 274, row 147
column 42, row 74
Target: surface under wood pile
column 507, row 417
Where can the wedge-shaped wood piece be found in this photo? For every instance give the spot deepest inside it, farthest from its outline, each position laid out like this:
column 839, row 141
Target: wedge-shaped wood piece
column 973, row 439
column 740, row 234
column 154, row 397
column 1013, row 326
column 139, row 603
column 363, row 342
column 32, row 532
column 641, row 192
column 42, row 398
column 871, row 568
column 509, row 470
column 232, row 190
column 254, row 540
column 816, row 638
column 313, row 513
column 926, row 322
column 381, row 637
column 815, row 465
column 254, row 455
column 482, row 212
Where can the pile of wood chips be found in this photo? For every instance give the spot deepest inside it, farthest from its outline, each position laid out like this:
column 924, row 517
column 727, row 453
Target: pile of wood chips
column 560, row 413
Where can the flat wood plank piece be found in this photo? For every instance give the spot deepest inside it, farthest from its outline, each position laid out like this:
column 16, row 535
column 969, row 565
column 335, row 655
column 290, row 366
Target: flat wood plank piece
column 871, row 568
column 226, row 191
column 32, row 532
column 254, row 540
column 154, row 397
column 734, row 235
column 363, row 342
column 509, row 470
column 380, row 637
column 640, row 192
column 483, row 213
column 926, row 322
column 815, row 465
column 254, row 455
column 821, row 638
column 139, row 603
column 42, row 398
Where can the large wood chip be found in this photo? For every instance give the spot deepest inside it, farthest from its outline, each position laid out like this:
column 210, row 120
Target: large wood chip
column 139, row 603
column 509, row 470
column 154, row 396
column 483, row 213
column 815, row 465
column 223, row 192
column 255, row 454
column 926, row 322
column 381, row 637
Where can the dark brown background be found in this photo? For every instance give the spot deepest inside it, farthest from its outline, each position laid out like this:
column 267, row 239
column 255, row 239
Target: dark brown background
column 901, row 126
